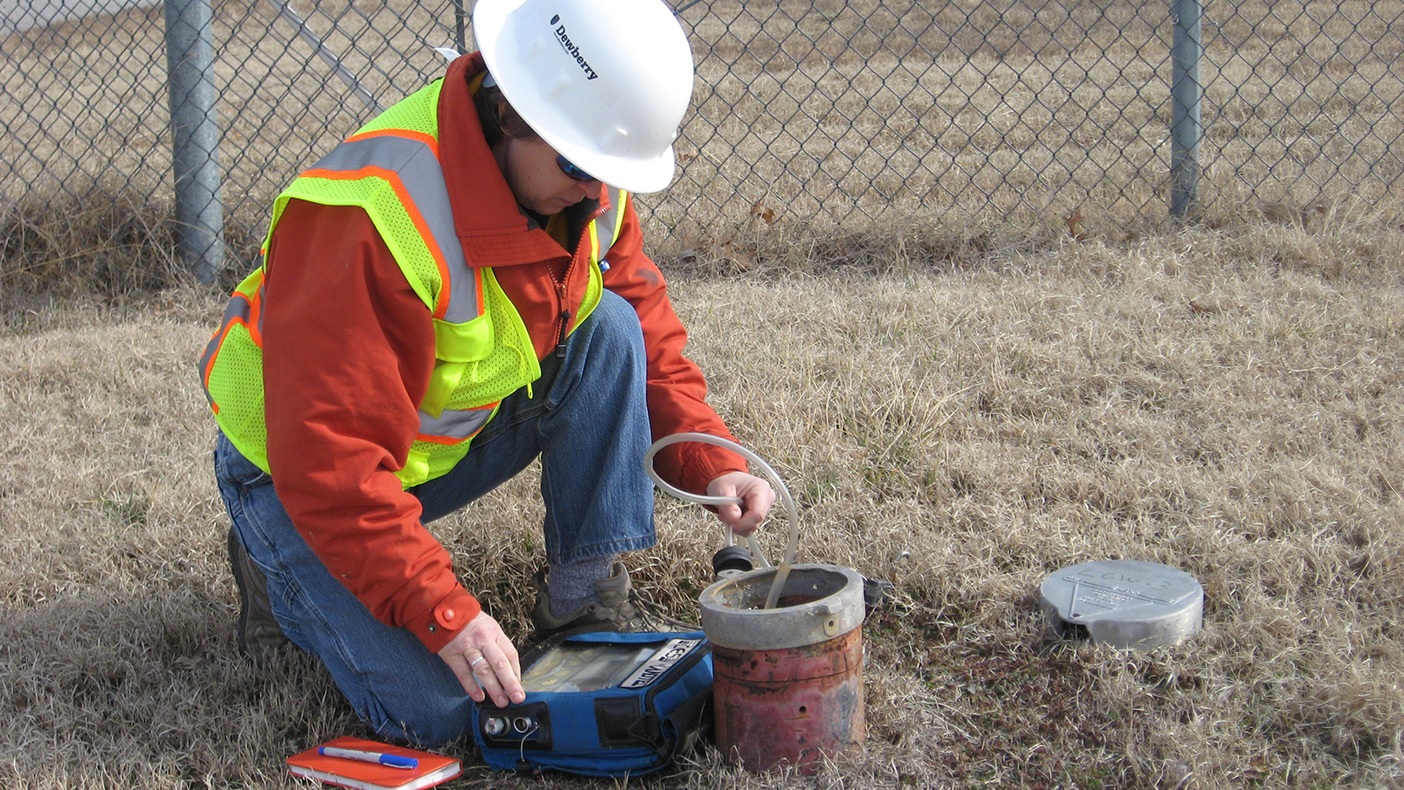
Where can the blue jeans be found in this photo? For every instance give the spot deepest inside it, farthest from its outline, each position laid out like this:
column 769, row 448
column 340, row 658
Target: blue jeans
column 588, row 422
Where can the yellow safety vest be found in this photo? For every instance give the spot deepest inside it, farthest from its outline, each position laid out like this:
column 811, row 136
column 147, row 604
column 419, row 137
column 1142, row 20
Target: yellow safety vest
column 390, row 168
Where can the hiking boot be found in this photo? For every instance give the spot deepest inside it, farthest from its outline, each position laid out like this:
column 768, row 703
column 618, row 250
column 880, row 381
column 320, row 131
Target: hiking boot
column 620, row 608
column 258, row 632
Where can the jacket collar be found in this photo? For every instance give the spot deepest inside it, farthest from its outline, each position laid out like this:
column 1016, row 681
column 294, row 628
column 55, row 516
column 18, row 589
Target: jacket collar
column 492, row 228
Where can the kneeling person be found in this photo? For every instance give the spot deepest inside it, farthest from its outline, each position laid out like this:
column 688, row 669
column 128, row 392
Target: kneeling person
column 458, row 289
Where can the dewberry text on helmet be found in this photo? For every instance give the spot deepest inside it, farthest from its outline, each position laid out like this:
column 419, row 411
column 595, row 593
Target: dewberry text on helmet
column 563, row 39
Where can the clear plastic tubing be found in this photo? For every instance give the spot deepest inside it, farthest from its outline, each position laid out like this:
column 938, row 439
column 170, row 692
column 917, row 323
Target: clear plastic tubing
column 788, row 558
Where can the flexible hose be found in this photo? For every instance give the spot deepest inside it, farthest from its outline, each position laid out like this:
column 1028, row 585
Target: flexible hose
column 788, row 558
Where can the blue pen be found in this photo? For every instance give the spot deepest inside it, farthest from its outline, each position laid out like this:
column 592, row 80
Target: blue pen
column 392, row 760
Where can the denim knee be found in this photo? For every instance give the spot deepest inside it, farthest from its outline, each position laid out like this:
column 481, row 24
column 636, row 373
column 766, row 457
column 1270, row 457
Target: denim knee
column 429, row 721
column 615, row 324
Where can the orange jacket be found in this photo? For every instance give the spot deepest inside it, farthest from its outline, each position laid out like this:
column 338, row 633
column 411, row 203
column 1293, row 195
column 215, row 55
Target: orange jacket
column 348, row 349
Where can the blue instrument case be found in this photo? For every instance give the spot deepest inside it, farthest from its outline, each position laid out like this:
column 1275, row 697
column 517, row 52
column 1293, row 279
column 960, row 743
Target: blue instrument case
column 602, row 704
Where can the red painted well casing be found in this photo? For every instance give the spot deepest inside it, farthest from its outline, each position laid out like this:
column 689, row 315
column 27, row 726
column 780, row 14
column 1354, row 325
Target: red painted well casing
column 792, row 705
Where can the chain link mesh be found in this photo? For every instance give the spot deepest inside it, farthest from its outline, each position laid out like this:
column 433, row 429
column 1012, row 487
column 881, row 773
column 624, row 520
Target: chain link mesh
column 810, row 111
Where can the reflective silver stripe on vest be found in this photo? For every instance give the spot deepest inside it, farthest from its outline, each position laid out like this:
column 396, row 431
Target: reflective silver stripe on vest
column 419, row 171
column 604, row 223
column 238, row 307
column 455, row 423
column 423, row 180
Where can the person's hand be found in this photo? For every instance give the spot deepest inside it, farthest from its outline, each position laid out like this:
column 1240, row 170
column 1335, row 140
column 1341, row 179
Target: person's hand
column 485, row 662
column 756, row 495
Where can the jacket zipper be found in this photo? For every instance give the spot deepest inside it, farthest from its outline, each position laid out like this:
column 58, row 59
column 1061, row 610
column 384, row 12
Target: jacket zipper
column 565, row 318
column 561, row 292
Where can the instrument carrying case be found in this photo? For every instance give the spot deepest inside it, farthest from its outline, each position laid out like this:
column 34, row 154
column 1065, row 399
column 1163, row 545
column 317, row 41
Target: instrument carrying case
column 602, row 704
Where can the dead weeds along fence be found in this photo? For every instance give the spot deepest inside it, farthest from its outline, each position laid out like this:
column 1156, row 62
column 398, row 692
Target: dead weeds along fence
column 1072, row 113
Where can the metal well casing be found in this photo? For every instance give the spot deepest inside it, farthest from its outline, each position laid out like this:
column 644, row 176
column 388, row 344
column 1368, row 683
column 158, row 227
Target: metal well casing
column 829, row 604
column 788, row 681
column 794, row 706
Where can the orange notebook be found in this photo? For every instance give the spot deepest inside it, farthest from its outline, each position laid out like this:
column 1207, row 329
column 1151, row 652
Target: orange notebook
column 361, row 775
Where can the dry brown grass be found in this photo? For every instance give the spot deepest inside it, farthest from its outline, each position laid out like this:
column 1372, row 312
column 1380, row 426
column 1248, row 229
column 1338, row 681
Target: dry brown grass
column 1223, row 399
column 962, row 401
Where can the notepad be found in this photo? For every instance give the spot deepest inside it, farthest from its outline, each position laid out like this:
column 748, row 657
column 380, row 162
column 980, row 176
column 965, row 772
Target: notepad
column 433, row 768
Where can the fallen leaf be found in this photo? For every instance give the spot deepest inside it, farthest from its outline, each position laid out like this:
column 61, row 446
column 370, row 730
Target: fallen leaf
column 1075, row 226
column 762, row 212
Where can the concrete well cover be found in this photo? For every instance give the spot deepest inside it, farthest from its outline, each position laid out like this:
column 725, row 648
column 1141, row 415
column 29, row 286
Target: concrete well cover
column 1123, row 603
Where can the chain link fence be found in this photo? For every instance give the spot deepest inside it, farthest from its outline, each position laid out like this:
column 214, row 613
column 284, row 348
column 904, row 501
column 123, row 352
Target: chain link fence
column 807, row 111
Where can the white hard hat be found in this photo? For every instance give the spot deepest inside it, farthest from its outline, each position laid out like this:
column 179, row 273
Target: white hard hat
column 604, row 82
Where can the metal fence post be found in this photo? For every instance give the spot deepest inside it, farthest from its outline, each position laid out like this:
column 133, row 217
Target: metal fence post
column 1185, row 128
column 199, row 213
column 460, row 16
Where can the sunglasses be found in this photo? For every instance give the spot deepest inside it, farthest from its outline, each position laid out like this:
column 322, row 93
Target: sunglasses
column 572, row 170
